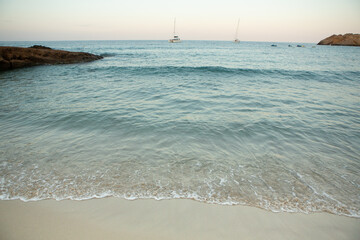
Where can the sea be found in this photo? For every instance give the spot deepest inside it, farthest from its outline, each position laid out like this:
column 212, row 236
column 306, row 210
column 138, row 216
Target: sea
column 276, row 128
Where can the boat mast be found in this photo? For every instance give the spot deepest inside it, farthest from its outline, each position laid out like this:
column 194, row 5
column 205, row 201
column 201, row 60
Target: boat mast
column 174, row 25
column 237, row 29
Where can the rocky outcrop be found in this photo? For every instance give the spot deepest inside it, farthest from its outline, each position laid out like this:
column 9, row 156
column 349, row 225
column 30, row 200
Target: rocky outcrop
column 348, row 39
column 18, row 57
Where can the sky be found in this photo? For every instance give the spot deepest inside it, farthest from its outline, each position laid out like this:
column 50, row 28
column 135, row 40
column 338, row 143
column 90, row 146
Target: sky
column 260, row 20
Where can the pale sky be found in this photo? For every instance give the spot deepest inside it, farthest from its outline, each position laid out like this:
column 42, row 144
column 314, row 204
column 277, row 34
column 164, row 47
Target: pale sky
column 260, row 20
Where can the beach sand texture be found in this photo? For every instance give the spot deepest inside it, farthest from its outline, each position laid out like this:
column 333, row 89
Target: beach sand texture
column 112, row 218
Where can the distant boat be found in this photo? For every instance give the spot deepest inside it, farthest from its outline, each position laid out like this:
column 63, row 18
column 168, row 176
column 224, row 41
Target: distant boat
column 274, row 45
column 300, row 46
column 176, row 38
column 237, row 32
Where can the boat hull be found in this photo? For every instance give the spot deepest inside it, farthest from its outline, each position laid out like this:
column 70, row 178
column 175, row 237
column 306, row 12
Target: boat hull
column 174, row 40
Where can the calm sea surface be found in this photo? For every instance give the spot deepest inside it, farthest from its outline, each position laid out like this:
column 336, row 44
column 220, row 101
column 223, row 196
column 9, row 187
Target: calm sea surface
column 272, row 127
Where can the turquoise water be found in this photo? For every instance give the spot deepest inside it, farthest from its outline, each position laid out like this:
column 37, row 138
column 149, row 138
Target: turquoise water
column 272, row 127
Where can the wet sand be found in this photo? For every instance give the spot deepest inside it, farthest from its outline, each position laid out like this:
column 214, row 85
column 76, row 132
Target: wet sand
column 112, row 218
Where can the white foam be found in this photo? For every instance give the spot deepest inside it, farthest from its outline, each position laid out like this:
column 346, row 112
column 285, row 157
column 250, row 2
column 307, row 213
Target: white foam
column 264, row 204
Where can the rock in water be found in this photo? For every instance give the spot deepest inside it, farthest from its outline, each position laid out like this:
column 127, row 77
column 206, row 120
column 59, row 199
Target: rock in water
column 348, row 39
column 39, row 47
column 17, row 57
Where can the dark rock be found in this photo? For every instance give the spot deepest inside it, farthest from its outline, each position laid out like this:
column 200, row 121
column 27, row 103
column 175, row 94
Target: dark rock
column 348, row 39
column 17, row 57
column 4, row 65
column 39, row 47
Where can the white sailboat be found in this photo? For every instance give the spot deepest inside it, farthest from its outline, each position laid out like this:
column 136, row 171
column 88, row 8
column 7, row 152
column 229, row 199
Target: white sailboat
column 237, row 32
column 176, row 38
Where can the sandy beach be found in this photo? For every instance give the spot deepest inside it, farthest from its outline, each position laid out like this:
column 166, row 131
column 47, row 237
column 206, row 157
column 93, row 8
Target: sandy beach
column 112, row 218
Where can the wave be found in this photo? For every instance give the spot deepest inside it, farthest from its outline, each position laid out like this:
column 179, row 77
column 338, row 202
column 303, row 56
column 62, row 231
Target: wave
column 108, row 54
column 119, row 168
column 322, row 76
column 128, row 55
column 280, row 205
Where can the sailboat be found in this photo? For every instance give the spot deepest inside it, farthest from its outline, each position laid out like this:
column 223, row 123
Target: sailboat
column 237, row 32
column 176, row 38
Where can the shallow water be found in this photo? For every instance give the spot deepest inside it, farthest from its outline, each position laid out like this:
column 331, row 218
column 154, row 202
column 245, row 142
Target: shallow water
column 276, row 128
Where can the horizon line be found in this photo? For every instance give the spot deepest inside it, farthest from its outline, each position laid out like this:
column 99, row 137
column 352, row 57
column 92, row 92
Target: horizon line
column 78, row 40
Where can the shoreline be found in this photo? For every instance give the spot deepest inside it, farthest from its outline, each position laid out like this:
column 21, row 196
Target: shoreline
column 230, row 204
column 114, row 218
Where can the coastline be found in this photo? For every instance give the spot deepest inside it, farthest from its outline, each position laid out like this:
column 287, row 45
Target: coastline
column 114, row 218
